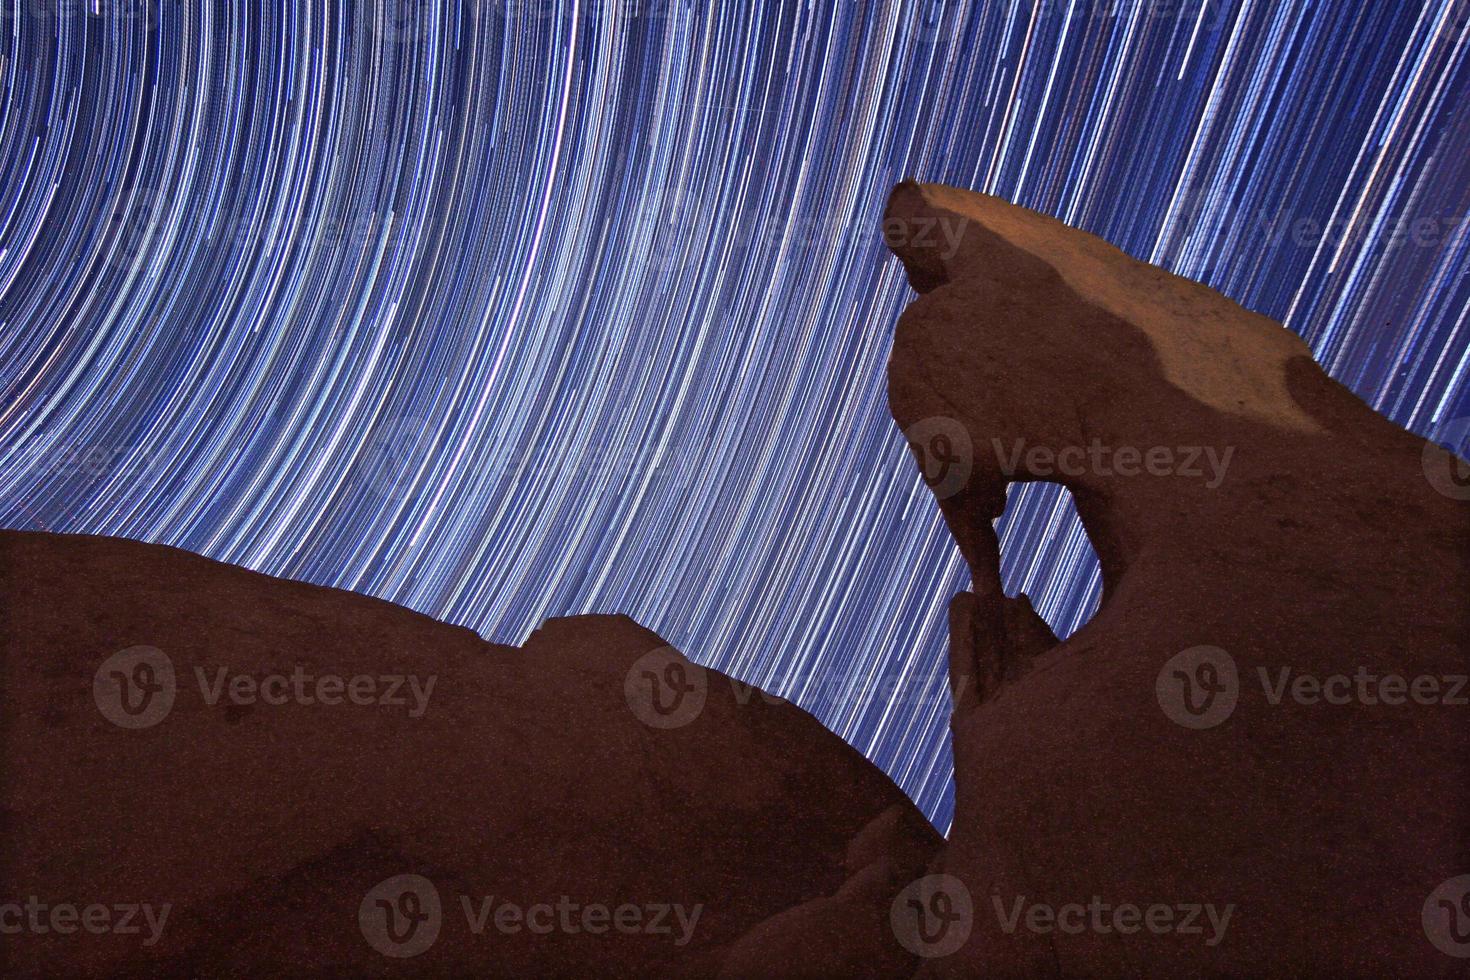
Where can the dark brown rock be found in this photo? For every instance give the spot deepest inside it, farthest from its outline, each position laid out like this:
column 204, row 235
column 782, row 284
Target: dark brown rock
column 1317, row 545
column 528, row 776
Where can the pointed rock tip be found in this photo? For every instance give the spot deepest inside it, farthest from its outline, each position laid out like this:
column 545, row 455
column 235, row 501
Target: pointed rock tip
column 1219, row 352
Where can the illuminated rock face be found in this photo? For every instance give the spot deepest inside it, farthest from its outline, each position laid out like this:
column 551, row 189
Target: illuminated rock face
column 1238, row 728
column 316, row 782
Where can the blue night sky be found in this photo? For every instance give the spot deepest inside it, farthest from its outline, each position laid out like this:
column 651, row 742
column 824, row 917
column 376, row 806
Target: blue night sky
column 511, row 310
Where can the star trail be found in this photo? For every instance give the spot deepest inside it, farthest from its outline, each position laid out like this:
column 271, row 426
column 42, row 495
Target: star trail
column 512, row 310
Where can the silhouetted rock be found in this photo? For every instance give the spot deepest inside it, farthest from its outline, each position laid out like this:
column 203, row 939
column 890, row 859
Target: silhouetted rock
column 1251, row 516
column 593, row 777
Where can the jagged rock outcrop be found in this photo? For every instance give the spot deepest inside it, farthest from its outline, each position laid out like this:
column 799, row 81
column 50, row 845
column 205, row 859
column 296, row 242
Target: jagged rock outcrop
column 1238, row 729
column 319, row 783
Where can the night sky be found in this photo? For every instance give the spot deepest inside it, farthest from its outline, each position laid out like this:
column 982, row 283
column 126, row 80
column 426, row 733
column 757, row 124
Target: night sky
column 512, row 310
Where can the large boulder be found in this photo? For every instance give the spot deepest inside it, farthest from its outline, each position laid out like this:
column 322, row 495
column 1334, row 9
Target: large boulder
column 282, row 779
column 1255, row 759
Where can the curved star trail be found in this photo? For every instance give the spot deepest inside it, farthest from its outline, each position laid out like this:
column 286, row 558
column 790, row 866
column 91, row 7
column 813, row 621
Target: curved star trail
column 511, row 310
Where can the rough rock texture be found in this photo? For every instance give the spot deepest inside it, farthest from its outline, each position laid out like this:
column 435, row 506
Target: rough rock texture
column 1322, row 548
column 528, row 775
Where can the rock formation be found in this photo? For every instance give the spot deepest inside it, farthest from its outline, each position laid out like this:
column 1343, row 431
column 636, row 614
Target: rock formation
column 270, row 759
column 1239, row 727
column 1255, row 760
